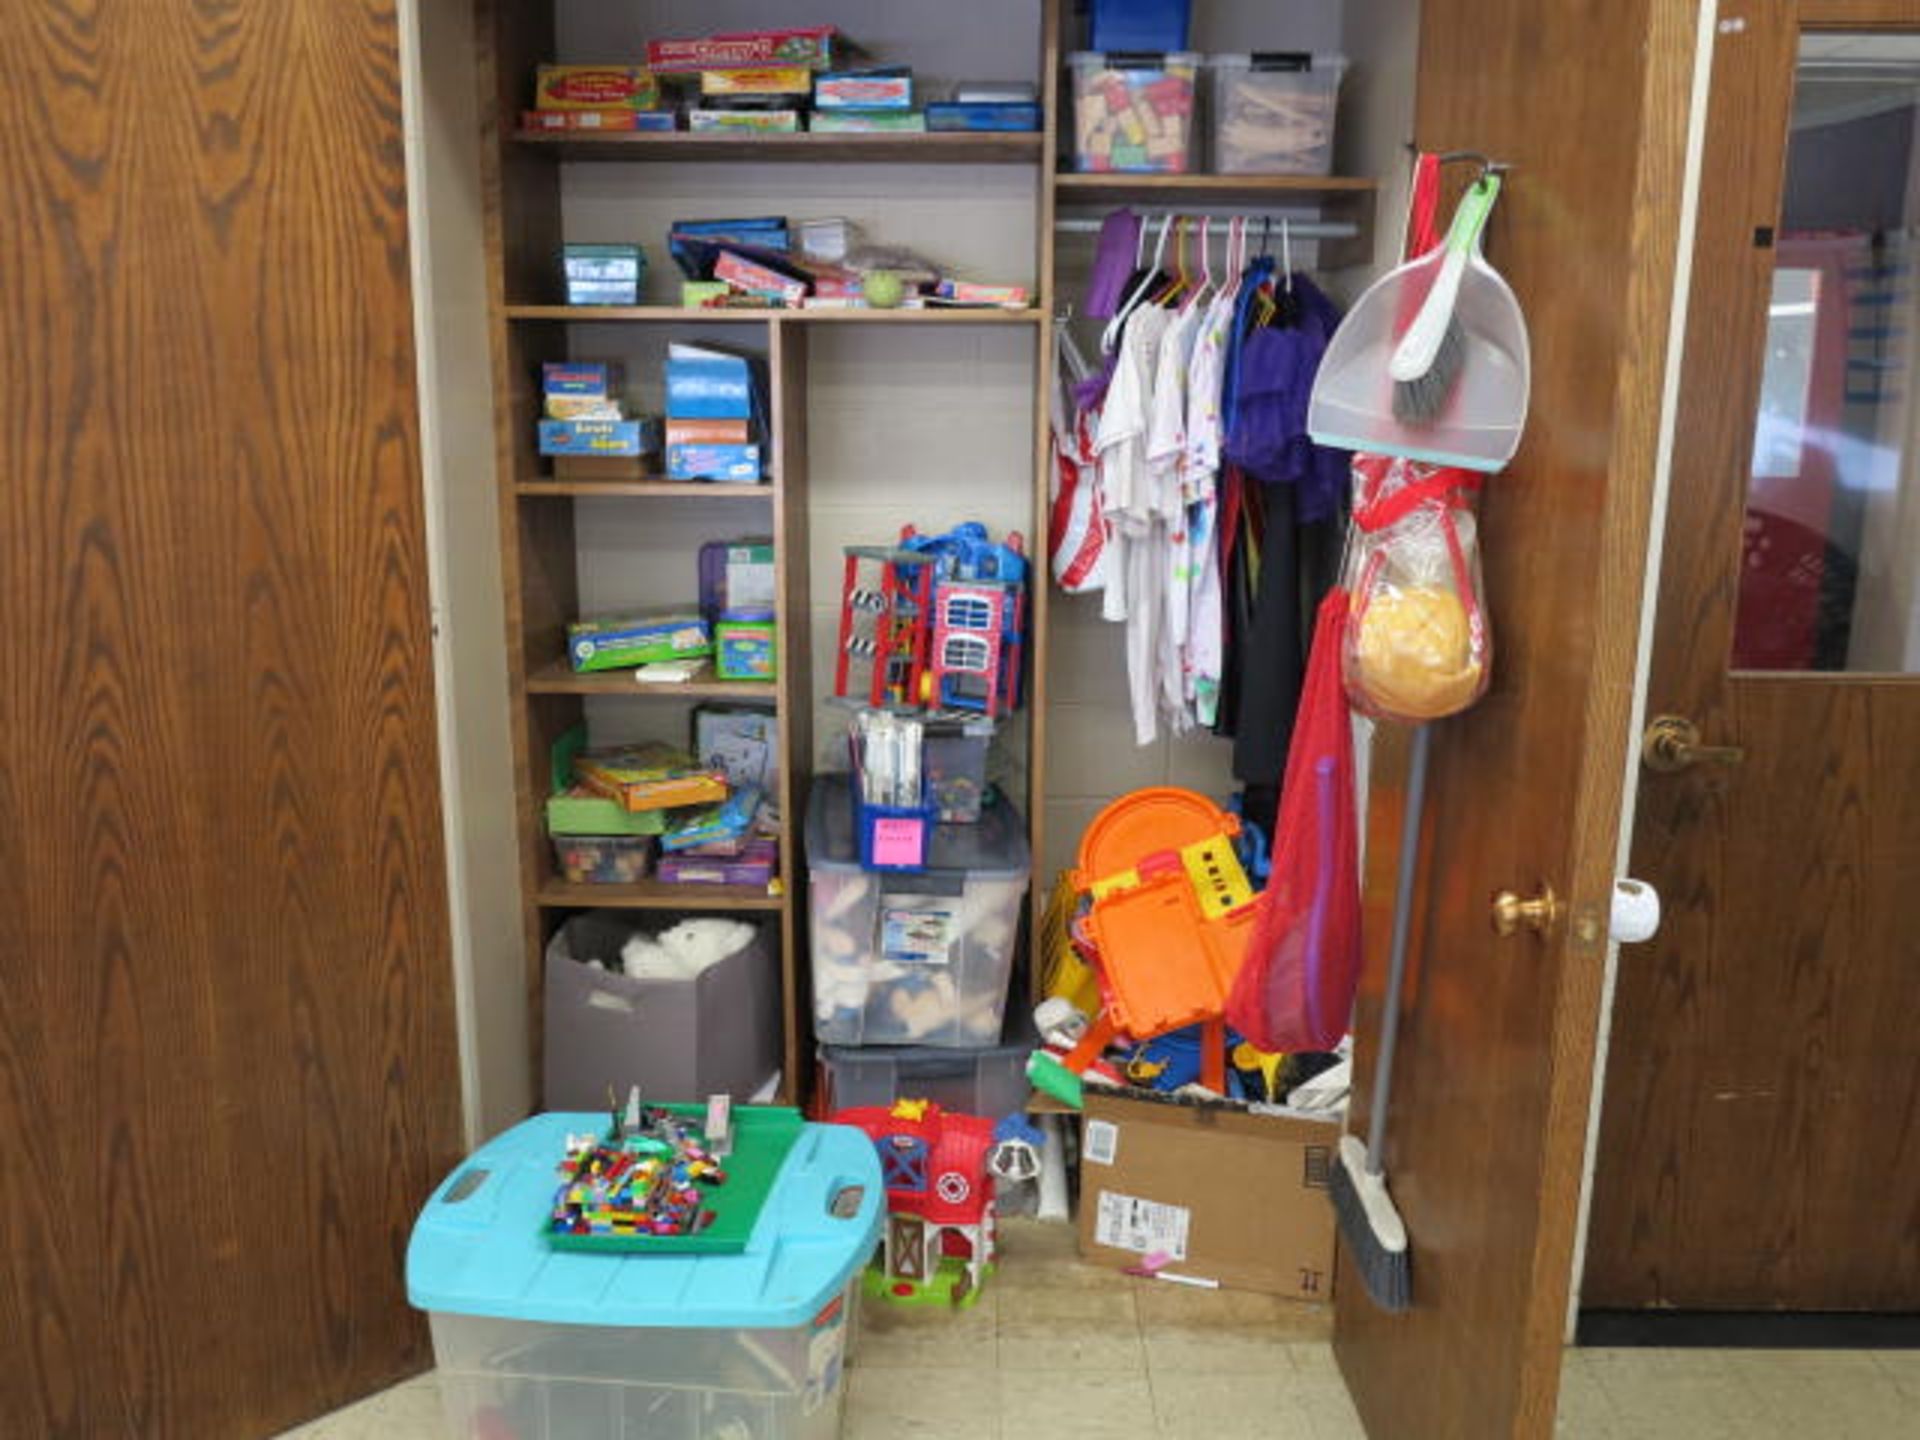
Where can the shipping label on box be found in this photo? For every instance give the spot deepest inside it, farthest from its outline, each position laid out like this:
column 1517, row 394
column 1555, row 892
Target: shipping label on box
column 1224, row 1194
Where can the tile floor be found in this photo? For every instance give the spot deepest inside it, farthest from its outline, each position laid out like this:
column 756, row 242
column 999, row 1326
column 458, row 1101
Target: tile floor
column 1056, row 1350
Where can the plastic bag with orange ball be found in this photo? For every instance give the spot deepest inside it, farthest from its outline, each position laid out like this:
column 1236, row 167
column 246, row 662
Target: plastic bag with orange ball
column 1417, row 644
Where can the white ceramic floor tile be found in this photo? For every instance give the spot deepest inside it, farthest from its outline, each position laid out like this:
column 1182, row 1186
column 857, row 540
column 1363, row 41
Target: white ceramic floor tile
column 921, row 1405
column 1035, row 1403
column 1201, row 1407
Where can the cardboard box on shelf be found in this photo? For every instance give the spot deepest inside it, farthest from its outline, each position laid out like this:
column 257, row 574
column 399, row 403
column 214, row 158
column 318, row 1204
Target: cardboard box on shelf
column 1225, row 1194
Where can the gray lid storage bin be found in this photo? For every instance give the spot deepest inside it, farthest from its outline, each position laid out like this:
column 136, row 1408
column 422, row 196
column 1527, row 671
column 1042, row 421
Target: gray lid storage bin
column 913, row 959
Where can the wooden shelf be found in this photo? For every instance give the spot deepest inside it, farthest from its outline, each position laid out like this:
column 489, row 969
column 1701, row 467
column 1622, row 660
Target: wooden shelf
column 1222, row 189
column 653, row 895
column 672, row 314
column 645, row 489
column 557, row 678
column 628, row 314
column 933, row 316
column 958, row 148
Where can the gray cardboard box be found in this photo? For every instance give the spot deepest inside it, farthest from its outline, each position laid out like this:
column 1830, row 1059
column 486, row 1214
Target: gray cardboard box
column 675, row 1039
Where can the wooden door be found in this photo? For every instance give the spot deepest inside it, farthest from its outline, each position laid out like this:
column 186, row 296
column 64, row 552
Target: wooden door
column 227, row 1069
column 1487, row 1117
column 1759, row 1146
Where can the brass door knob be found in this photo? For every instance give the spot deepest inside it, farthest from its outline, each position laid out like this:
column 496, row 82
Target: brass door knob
column 1511, row 914
column 1672, row 742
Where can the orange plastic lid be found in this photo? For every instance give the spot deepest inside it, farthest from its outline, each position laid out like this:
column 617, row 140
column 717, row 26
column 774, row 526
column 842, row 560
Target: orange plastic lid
column 1144, row 823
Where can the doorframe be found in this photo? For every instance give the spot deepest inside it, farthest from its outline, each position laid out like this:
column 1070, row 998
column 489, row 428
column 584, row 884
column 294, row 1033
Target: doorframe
column 1707, row 23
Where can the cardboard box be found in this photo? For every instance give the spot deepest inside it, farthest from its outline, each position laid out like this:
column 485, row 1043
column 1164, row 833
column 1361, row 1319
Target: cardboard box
column 1228, row 1195
column 707, row 384
column 752, row 122
column 599, row 437
column 595, row 379
column 735, row 464
column 813, row 47
column 867, row 122
column 888, row 89
column 619, row 642
column 600, row 467
column 757, row 80
column 576, row 120
column 708, row 432
column 595, row 87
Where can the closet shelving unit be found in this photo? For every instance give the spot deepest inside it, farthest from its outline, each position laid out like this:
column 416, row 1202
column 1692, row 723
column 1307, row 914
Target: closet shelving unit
column 522, row 217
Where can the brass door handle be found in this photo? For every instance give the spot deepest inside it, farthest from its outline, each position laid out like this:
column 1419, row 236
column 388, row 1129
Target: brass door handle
column 1672, row 742
column 1511, row 914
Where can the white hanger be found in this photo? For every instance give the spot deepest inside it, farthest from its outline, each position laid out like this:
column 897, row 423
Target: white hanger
column 1286, row 252
column 1236, row 253
column 1110, row 337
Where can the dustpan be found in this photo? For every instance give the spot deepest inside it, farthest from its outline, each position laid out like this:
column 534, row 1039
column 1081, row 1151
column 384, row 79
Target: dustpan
column 1478, row 426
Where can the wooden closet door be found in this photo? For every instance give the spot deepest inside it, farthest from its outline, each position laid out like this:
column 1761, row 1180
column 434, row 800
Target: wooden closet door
column 227, row 1070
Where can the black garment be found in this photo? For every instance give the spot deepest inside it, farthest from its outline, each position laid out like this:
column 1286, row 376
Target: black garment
column 1298, row 565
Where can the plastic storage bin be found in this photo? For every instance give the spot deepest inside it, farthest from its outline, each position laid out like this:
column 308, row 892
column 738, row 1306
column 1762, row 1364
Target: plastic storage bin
column 602, row 859
column 1133, row 112
column 1140, row 24
column 675, row 1039
column 991, row 1082
column 1273, row 113
column 538, row 1345
column 956, row 761
column 913, row 959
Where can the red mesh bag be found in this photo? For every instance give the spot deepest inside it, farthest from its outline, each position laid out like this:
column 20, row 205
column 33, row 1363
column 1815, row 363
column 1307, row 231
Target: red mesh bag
column 1295, row 989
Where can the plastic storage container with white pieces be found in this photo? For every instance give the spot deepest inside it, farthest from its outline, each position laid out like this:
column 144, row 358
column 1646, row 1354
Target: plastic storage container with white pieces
column 913, row 959
column 532, row 1343
column 1273, row 113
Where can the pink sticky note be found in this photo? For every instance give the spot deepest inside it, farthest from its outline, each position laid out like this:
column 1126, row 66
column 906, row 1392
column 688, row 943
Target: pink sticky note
column 898, row 842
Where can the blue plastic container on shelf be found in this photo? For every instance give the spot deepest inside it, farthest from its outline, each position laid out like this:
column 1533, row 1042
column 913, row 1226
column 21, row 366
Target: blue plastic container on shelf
column 1140, row 24
column 533, row 1341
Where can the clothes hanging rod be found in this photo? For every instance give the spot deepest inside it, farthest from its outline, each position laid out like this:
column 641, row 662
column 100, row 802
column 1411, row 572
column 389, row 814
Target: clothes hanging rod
column 1299, row 229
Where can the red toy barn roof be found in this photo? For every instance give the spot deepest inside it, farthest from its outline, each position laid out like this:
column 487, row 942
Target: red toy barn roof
column 957, row 1187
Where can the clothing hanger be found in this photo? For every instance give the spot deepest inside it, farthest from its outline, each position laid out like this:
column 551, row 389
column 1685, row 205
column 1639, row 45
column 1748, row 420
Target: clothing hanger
column 1110, row 337
column 1178, row 285
column 1070, row 353
column 1206, row 263
column 1287, row 307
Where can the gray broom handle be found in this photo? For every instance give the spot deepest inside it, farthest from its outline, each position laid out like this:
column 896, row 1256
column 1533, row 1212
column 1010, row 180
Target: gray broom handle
column 1408, row 871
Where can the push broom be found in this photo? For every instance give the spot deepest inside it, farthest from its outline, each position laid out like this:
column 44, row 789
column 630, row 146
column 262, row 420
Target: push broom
column 1371, row 1229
